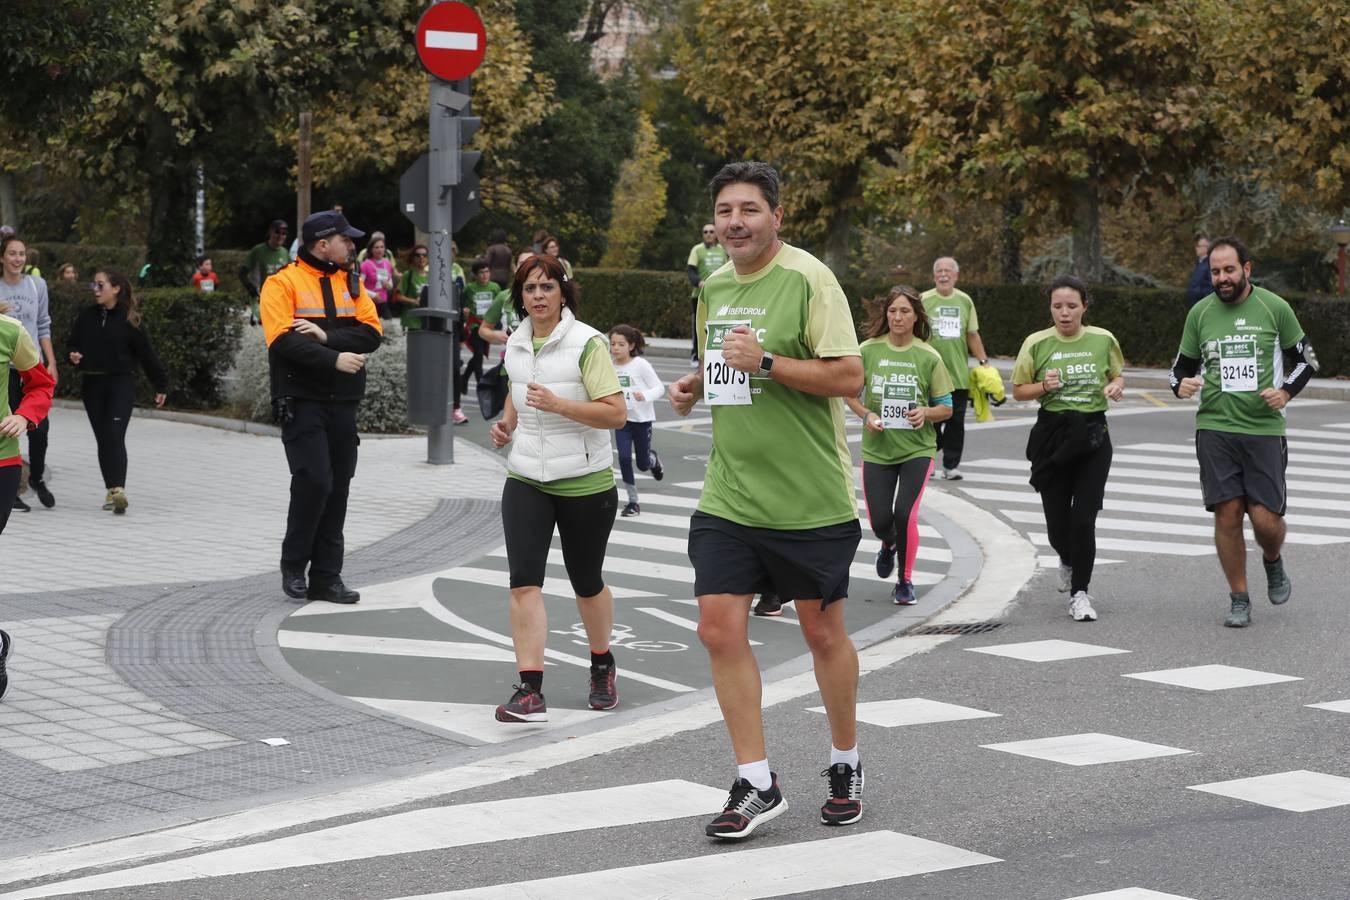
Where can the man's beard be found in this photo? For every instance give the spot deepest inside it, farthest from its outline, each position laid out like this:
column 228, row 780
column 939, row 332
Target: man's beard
column 1239, row 289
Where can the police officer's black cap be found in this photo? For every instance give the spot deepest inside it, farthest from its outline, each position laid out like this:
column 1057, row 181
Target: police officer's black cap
column 326, row 224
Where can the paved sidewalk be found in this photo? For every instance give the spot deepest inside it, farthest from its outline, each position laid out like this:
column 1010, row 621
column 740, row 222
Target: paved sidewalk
column 138, row 691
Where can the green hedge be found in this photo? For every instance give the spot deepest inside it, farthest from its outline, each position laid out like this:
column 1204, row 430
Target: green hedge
column 195, row 335
column 127, row 259
column 1147, row 322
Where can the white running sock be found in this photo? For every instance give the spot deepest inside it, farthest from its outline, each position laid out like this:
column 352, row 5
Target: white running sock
column 844, row 756
column 757, row 773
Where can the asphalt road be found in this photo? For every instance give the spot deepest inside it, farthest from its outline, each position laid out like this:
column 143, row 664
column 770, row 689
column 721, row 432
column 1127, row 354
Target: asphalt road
column 1153, row 753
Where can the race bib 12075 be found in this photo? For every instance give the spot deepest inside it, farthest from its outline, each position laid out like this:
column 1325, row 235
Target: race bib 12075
column 722, row 385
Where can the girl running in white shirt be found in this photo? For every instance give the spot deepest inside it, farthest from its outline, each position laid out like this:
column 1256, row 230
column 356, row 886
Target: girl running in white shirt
column 641, row 387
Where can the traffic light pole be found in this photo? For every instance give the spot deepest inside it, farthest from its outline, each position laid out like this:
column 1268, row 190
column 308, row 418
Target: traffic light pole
column 442, row 175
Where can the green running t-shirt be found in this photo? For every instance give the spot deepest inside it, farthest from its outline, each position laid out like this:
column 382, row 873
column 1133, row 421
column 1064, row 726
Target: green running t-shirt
column 1086, row 362
column 782, row 461
column 16, row 349
column 893, row 378
column 707, row 259
column 1239, row 347
column 951, row 319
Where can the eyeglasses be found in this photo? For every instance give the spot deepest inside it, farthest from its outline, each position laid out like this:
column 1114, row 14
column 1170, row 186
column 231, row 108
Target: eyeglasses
column 98, row 285
column 420, row 253
column 709, row 231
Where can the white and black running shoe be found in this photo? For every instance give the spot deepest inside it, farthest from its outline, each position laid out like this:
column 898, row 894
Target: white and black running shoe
column 746, row 809
column 844, row 805
column 1080, row 608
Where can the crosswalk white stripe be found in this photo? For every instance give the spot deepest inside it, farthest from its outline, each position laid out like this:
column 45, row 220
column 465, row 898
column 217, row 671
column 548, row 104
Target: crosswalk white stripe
column 435, row 828
column 1170, row 548
column 553, row 587
column 389, row 646
column 476, row 720
column 1021, row 470
column 819, row 865
column 676, row 424
column 1318, row 434
column 1144, row 490
column 1340, row 425
column 1164, row 509
column 1152, row 526
column 436, row 610
column 680, row 621
column 1294, row 454
column 1191, row 464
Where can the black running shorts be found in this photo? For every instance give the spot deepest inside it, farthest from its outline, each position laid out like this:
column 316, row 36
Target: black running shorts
column 806, row 564
column 1242, row 465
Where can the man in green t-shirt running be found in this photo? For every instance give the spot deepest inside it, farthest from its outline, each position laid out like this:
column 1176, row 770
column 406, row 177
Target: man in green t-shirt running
column 1243, row 350
column 705, row 258
column 956, row 334
column 778, row 510
column 265, row 260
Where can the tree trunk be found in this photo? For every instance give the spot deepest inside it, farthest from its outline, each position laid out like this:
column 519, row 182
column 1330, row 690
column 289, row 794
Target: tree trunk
column 841, row 226
column 173, row 197
column 1010, row 240
column 304, row 179
column 1087, row 236
column 9, row 203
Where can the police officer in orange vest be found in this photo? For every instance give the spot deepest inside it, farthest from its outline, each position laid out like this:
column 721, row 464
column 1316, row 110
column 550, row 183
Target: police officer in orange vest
column 319, row 324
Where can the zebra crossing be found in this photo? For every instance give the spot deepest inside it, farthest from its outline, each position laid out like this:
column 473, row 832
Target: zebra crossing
column 390, row 652
column 1153, row 501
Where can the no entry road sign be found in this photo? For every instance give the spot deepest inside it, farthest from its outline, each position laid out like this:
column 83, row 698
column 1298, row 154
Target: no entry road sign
column 450, row 41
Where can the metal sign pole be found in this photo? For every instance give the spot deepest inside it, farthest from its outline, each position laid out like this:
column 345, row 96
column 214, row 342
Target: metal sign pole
column 440, row 282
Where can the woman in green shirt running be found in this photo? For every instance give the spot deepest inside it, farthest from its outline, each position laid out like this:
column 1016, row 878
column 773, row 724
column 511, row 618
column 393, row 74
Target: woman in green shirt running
column 906, row 388
column 1071, row 369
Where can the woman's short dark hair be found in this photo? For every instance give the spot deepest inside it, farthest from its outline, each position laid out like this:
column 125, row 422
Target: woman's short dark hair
column 761, row 175
column 877, row 324
column 1074, row 283
column 632, row 336
column 553, row 270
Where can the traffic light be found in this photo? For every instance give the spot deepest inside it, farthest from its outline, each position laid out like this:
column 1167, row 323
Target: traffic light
column 464, row 198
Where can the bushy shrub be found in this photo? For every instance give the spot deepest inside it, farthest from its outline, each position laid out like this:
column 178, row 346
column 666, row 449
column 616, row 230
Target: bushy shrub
column 655, row 302
column 195, row 335
column 384, row 409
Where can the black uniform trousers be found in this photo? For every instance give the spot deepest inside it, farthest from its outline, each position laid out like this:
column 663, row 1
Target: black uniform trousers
column 321, row 442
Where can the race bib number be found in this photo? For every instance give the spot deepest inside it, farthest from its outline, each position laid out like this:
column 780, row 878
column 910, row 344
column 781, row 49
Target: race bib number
column 208, row 285
column 1237, row 365
column 896, row 400
column 949, row 321
column 383, row 278
column 722, row 385
column 481, row 303
column 626, row 383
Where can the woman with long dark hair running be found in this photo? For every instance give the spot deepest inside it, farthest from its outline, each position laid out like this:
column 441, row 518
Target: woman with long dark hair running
column 106, row 344
column 1071, row 369
column 906, row 389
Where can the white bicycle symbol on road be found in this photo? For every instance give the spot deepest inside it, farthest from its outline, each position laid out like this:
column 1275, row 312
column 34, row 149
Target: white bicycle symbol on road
column 622, row 636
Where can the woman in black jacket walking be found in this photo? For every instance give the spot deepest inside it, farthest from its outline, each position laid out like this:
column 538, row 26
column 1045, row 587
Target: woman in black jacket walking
column 106, row 344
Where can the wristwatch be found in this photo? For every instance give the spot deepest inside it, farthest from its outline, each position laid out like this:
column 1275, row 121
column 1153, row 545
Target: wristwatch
column 766, row 362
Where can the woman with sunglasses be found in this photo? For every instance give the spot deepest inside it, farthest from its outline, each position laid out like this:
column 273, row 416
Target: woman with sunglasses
column 906, row 389
column 106, row 344
column 408, row 294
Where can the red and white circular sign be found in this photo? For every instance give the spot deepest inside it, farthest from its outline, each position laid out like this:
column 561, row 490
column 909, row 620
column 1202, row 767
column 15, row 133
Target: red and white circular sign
column 450, row 41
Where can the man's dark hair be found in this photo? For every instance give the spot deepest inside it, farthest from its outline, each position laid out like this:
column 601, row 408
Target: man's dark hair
column 761, row 175
column 1244, row 255
column 203, row 258
column 1073, row 283
column 478, row 265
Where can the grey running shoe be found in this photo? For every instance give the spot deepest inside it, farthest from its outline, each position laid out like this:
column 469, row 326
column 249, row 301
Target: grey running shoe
column 952, row 475
column 1239, row 611
column 1080, row 608
column 746, row 809
column 1278, row 585
column 1065, row 577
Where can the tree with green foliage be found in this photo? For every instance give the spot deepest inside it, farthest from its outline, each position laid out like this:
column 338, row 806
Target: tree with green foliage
column 813, row 87
column 1075, row 105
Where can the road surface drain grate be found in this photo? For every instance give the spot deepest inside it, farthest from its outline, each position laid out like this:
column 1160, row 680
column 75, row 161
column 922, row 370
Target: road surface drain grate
column 953, row 628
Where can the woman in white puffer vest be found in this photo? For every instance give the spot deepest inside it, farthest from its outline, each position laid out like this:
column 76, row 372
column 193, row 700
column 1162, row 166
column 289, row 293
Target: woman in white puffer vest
column 565, row 398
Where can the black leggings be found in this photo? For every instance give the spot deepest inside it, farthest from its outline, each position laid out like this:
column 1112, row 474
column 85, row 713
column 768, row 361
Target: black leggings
column 9, row 489
column 475, row 365
column 1071, row 502
column 37, row 438
column 894, row 514
column 584, row 523
column 108, row 401
column 951, row 434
